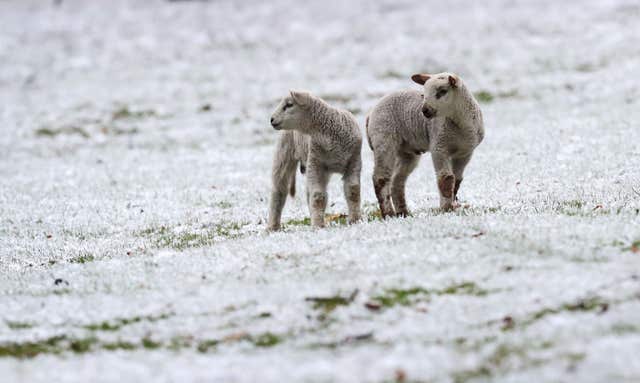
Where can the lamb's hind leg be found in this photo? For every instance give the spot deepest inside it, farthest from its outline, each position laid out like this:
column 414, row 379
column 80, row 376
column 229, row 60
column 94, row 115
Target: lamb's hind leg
column 405, row 164
column 351, row 185
column 284, row 173
column 384, row 160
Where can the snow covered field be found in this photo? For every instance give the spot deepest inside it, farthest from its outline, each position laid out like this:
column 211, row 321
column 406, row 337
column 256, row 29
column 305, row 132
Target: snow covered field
column 135, row 161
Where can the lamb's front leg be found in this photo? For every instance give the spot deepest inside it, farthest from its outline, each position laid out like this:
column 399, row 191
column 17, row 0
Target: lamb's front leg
column 445, row 179
column 351, row 185
column 317, row 180
column 458, row 171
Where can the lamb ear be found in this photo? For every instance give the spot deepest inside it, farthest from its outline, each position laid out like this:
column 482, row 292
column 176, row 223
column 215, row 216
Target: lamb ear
column 299, row 97
column 453, row 81
column 420, row 78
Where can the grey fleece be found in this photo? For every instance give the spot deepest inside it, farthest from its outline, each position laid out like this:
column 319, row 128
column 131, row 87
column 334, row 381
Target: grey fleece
column 324, row 140
column 399, row 134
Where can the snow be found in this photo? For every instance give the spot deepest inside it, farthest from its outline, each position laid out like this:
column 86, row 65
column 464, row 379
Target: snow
column 150, row 209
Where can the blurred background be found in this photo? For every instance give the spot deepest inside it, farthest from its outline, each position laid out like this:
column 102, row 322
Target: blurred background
column 135, row 160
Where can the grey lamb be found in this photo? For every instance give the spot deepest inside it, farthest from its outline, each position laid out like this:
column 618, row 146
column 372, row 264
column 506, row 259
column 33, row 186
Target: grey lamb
column 445, row 120
column 323, row 140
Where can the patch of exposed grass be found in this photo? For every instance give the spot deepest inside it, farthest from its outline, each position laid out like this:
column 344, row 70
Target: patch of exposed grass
column 464, row 288
column 62, row 344
column 406, row 297
column 15, row 325
column 63, row 291
column 569, row 207
column 224, row 204
column 393, row 74
column 206, row 345
column 150, row 344
column 591, row 304
column 350, row 340
column 625, row 328
column 84, row 258
column 63, row 130
column 33, row 348
column 306, row 221
column 180, row 239
column 504, row 357
column 484, row 96
column 336, row 219
column 329, row 219
column 118, row 323
column 509, row 357
column 402, row 297
column 123, row 112
column 82, row 345
column 328, row 304
column 266, row 339
column 119, row 345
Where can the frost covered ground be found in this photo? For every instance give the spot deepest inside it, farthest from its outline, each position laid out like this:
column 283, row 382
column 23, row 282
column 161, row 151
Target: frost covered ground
column 134, row 168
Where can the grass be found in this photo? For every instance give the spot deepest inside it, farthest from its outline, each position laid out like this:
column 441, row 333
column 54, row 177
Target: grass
column 590, row 304
column 394, row 74
column 119, row 345
column 64, row 130
column 406, row 297
column 123, row 112
column 206, row 235
column 224, row 204
column 509, row 357
column 84, row 258
column 31, row 349
column 486, row 97
column 118, row 323
column 337, row 219
column 266, row 339
column 150, row 344
column 402, row 297
column 15, row 325
column 61, row 344
column 625, row 328
column 206, row 345
column 328, row 304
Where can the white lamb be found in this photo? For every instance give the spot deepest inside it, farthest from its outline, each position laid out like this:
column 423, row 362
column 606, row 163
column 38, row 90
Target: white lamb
column 324, row 140
column 445, row 120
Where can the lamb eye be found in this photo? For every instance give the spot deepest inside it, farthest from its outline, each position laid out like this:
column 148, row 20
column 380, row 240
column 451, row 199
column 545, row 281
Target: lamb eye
column 440, row 93
column 289, row 104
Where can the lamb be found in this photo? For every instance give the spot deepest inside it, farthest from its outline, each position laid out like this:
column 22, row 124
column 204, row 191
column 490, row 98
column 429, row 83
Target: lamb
column 445, row 120
column 323, row 140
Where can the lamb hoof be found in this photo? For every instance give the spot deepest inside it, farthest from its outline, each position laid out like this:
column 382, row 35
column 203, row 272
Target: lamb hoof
column 403, row 214
column 272, row 228
column 447, row 207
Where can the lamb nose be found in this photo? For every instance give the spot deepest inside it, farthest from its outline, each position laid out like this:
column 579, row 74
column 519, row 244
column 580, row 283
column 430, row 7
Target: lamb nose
column 271, row 120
